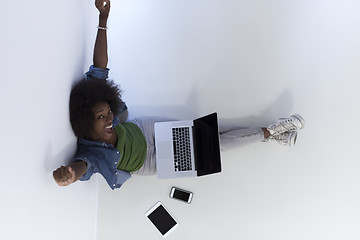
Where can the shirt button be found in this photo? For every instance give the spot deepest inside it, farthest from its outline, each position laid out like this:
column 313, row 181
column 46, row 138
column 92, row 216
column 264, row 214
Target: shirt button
column 115, row 162
column 116, row 173
column 114, row 185
column 117, row 152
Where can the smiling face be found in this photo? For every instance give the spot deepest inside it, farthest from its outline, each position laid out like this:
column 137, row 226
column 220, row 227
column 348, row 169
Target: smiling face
column 102, row 130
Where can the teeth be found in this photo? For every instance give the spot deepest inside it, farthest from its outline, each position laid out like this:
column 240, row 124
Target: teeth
column 109, row 126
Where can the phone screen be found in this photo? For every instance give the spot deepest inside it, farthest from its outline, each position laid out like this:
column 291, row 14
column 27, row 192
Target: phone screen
column 181, row 195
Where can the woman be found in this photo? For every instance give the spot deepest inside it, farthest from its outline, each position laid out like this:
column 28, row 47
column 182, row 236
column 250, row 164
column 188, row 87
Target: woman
column 114, row 149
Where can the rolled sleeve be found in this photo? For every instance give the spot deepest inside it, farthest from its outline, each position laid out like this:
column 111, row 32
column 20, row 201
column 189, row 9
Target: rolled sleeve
column 97, row 73
column 122, row 177
column 89, row 170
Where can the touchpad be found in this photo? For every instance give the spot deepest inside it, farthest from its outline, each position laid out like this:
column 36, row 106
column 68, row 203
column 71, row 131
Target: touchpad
column 164, row 150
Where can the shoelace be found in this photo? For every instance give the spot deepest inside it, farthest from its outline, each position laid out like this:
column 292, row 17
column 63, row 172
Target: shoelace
column 285, row 124
column 281, row 138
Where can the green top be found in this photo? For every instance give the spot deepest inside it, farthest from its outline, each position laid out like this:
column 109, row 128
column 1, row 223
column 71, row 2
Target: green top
column 132, row 146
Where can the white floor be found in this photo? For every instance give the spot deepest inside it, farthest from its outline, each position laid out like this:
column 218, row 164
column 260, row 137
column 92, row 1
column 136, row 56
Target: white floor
column 251, row 61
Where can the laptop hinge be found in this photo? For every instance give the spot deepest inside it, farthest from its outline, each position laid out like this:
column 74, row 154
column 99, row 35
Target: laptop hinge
column 194, row 147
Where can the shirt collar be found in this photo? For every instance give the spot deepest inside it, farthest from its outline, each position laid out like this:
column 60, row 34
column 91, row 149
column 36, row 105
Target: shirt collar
column 93, row 143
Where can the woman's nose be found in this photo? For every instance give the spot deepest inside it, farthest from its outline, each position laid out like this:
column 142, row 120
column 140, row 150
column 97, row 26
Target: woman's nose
column 109, row 117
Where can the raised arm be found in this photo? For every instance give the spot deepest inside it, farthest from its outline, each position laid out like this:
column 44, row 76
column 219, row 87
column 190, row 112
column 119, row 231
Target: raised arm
column 100, row 57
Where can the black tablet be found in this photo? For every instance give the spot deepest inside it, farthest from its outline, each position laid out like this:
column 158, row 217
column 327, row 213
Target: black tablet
column 162, row 219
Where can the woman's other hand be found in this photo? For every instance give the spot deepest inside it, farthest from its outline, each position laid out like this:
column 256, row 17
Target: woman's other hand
column 64, row 176
column 104, row 7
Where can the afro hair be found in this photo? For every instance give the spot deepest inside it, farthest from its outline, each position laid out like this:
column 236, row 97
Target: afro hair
column 84, row 95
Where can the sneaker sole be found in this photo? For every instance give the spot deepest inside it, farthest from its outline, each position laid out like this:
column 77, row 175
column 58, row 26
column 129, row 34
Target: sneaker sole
column 300, row 118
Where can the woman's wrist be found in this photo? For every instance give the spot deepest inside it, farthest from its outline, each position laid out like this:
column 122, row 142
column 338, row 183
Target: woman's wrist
column 102, row 21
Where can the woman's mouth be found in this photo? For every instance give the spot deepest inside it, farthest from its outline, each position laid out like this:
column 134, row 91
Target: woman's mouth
column 108, row 129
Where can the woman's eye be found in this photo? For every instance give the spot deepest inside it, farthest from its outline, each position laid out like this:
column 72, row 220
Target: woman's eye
column 110, row 111
column 100, row 117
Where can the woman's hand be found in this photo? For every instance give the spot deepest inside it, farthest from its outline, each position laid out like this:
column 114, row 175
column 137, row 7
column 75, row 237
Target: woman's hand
column 104, row 8
column 64, row 175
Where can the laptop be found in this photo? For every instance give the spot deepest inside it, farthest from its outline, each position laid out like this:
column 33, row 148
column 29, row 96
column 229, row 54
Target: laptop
column 187, row 148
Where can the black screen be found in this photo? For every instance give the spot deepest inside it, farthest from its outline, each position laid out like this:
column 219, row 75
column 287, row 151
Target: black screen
column 206, row 142
column 162, row 219
column 181, row 195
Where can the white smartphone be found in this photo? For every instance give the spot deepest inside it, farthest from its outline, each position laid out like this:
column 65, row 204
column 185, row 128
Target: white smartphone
column 162, row 219
column 181, row 194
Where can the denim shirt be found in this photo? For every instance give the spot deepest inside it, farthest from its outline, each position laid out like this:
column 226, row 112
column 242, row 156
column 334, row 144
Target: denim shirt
column 101, row 157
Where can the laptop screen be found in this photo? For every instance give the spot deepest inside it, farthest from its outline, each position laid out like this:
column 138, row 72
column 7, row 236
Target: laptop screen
column 206, row 145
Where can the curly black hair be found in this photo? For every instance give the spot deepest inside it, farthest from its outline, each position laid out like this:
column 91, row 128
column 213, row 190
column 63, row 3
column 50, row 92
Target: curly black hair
column 84, row 95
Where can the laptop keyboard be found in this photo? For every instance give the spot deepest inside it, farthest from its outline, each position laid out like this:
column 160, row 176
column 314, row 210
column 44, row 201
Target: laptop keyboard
column 182, row 150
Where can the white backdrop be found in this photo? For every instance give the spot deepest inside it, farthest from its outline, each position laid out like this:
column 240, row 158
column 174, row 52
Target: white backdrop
column 251, row 61
column 45, row 46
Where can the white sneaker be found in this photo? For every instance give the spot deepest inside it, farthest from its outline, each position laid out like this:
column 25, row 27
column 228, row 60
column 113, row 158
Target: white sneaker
column 294, row 122
column 286, row 138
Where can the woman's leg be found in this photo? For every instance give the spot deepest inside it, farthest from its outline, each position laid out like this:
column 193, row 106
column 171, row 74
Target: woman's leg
column 282, row 131
column 232, row 137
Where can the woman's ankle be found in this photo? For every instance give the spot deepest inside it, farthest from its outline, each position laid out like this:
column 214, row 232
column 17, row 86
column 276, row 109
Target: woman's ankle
column 266, row 133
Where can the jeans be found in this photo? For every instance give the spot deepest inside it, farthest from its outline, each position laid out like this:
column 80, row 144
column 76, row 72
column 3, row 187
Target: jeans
column 231, row 137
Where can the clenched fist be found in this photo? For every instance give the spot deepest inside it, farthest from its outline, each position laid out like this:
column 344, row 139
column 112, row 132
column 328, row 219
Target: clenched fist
column 64, row 175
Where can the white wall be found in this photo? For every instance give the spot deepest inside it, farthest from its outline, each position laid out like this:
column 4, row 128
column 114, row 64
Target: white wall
column 45, row 46
column 252, row 61
column 249, row 60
